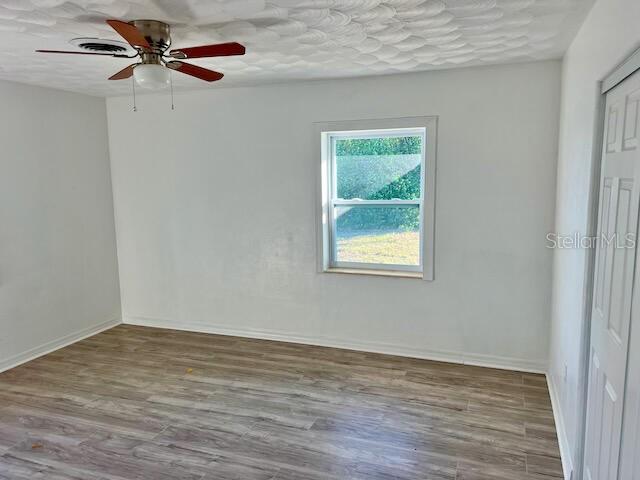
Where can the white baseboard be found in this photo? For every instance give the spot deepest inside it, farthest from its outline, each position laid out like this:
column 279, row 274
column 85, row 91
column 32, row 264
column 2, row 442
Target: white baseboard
column 49, row 347
column 504, row 363
column 563, row 440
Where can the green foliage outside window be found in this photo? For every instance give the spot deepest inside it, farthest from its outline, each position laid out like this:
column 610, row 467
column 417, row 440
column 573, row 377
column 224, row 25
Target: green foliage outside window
column 378, row 169
column 379, row 146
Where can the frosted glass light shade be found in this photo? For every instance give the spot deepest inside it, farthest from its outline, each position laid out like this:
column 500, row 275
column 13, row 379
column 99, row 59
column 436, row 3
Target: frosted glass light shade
column 151, row 76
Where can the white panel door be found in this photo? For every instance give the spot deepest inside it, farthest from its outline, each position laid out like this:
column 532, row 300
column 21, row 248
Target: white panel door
column 614, row 280
column 630, row 449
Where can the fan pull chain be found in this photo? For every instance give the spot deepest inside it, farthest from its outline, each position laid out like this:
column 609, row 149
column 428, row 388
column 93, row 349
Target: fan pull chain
column 133, row 84
column 171, row 86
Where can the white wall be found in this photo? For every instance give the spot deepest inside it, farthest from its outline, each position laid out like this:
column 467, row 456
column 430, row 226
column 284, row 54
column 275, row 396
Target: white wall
column 215, row 221
column 609, row 34
column 58, row 266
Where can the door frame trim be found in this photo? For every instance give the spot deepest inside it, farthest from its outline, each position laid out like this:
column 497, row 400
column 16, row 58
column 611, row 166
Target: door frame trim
column 590, row 265
column 620, row 73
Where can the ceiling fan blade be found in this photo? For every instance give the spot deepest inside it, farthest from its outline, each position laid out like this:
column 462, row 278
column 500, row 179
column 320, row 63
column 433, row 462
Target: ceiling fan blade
column 130, row 33
column 195, row 71
column 219, row 50
column 84, row 53
column 124, row 73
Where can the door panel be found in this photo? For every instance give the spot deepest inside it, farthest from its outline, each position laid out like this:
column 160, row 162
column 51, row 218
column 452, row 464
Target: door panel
column 601, row 270
column 613, row 282
column 594, row 427
column 622, row 271
column 632, row 121
column 610, row 431
column 612, row 128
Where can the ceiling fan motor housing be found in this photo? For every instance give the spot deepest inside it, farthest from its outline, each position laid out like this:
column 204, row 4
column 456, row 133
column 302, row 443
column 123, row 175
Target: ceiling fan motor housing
column 158, row 35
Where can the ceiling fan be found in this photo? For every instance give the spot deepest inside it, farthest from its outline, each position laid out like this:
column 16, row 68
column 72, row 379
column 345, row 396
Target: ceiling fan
column 152, row 40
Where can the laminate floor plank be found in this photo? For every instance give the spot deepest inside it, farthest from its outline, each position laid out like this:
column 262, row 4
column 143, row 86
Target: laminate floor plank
column 135, row 403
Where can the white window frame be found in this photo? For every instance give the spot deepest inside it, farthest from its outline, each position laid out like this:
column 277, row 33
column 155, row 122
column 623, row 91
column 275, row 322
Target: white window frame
column 327, row 133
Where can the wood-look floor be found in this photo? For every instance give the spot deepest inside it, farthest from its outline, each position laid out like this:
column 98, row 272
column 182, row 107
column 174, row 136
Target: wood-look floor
column 153, row 404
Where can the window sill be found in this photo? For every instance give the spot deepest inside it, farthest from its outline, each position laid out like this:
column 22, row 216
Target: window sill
column 376, row 273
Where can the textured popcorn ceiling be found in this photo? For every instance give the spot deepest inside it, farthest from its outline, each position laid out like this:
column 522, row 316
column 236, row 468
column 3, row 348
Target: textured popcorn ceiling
column 287, row 39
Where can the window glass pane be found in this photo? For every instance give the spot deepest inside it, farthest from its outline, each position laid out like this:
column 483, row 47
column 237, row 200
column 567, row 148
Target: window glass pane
column 381, row 168
column 384, row 235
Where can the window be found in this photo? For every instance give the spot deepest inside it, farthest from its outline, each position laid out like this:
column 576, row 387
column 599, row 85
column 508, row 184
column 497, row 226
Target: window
column 377, row 200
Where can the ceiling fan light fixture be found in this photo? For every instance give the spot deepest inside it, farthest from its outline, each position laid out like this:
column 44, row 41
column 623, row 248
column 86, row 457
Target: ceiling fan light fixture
column 151, row 76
